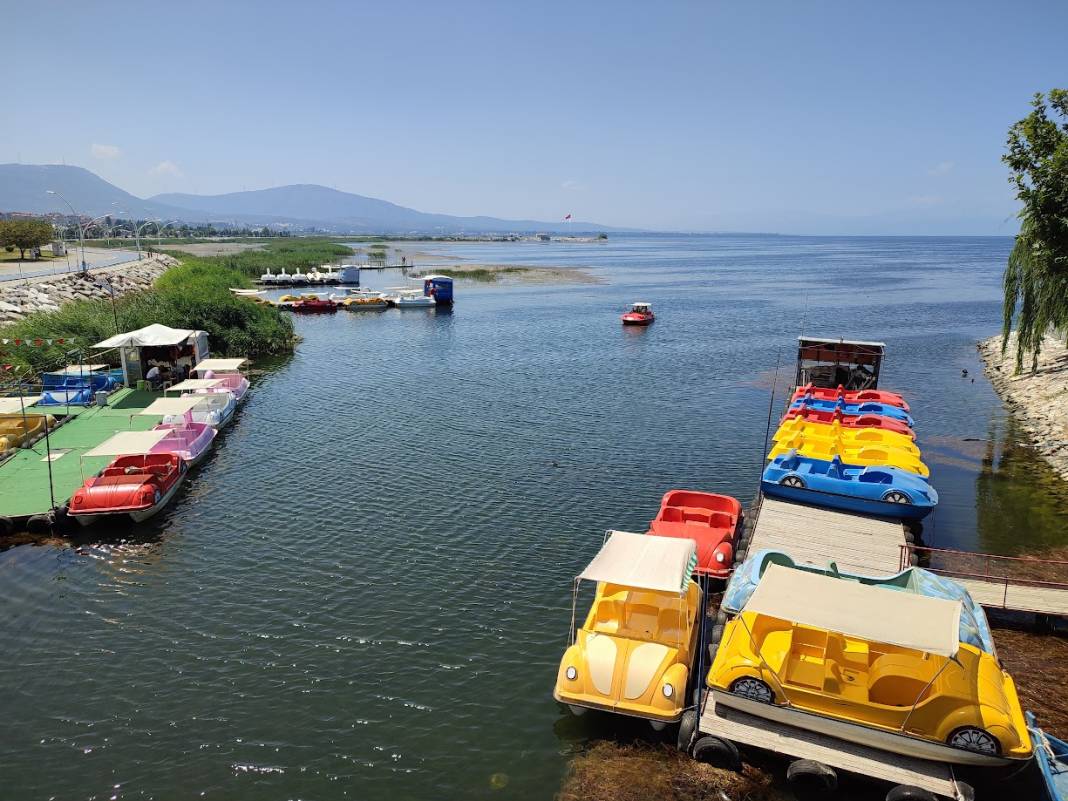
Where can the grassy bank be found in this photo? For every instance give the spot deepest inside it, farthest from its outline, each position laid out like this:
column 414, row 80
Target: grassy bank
column 194, row 294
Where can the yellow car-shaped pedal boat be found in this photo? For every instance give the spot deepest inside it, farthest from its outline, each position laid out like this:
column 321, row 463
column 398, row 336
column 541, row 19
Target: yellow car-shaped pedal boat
column 847, row 437
column 863, row 455
column 868, row 665
column 632, row 656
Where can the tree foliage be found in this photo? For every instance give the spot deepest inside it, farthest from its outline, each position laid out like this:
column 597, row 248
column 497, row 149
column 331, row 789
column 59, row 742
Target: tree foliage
column 25, row 233
column 1036, row 276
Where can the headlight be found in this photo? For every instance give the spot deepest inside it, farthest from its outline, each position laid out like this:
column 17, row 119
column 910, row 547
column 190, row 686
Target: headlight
column 571, row 673
column 668, row 690
column 719, row 558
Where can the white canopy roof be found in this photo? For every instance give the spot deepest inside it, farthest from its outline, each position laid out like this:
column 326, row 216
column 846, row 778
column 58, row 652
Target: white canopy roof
column 858, row 610
column 150, row 335
column 220, row 365
column 191, row 384
column 78, row 369
column 662, row 564
column 129, row 442
column 9, row 405
column 164, row 406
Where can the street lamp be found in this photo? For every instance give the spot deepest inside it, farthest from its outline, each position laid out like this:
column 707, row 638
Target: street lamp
column 77, row 217
column 103, row 283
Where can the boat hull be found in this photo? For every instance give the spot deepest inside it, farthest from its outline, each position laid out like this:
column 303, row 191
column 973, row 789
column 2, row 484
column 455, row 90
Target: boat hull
column 892, row 742
column 638, row 319
column 137, row 515
column 846, row 503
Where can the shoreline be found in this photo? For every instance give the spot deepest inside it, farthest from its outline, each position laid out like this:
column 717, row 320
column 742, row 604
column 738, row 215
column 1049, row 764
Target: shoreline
column 1039, row 400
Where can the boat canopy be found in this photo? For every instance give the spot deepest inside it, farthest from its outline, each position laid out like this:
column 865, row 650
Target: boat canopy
column 12, row 405
column 220, row 365
column 127, row 443
column 974, row 627
column 661, row 564
column 164, row 406
column 78, row 369
column 857, row 610
column 193, row 384
column 154, row 335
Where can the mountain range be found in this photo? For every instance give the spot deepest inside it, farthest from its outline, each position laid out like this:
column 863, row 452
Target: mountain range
column 24, row 188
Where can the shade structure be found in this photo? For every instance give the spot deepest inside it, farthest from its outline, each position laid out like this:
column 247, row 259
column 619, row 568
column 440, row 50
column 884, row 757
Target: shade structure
column 154, row 335
column 129, row 442
column 662, row 564
column 193, row 384
column 219, row 365
column 14, row 405
column 164, row 406
column 858, row 610
column 79, row 369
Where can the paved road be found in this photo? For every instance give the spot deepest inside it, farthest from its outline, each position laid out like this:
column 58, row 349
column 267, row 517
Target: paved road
column 95, row 258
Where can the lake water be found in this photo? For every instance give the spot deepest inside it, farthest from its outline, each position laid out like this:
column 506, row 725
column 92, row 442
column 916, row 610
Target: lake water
column 365, row 592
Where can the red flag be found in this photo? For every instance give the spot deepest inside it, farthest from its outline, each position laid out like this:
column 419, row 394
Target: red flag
column 568, row 217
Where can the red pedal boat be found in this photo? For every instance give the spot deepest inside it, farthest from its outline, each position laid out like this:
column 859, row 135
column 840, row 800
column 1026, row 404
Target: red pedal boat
column 639, row 314
column 137, row 486
column 850, row 420
column 708, row 519
column 313, row 304
column 850, row 396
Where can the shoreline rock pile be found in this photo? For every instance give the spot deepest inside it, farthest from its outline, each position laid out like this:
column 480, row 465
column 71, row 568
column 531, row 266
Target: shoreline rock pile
column 21, row 298
column 1040, row 399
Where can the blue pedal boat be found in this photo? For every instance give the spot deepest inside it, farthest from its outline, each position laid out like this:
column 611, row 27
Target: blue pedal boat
column 877, row 490
column 883, row 409
column 1052, row 757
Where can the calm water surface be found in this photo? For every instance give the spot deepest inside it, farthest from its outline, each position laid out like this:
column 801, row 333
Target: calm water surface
column 364, row 593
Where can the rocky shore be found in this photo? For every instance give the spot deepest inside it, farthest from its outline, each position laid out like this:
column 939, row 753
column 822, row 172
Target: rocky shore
column 21, row 298
column 1039, row 399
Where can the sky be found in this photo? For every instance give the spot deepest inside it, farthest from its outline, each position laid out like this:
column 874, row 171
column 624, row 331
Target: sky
column 795, row 117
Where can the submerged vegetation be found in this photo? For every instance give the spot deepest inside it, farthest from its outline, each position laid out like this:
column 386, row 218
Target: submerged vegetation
column 1036, row 277
column 194, row 294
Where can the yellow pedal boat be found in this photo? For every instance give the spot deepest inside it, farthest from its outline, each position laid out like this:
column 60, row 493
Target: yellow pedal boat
column 632, row 655
column 868, row 665
column 865, row 456
column 848, row 437
column 16, row 429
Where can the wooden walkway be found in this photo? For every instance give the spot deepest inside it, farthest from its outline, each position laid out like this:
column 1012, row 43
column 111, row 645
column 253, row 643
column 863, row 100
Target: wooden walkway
column 996, row 594
column 737, row 726
column 859, row 545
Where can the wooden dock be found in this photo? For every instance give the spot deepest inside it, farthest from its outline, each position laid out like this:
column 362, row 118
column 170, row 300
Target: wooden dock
column 859, row 545
column 739, row 727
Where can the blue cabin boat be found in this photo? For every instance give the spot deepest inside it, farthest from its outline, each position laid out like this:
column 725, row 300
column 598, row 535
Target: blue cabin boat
column 1051, row 755
column 878, row 490
column 439, row 287
column 75, row 385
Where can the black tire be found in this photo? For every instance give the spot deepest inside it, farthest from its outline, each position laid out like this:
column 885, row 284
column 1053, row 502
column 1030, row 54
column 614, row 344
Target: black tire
column 754, row 689
column 7, row 526
column 812, row 775
column 39, row 524
column 716, row 636
column 793, row 481
column 718, row 753
column 905, row 792
column 972, row 738
column 687, row 730
column 721, row 617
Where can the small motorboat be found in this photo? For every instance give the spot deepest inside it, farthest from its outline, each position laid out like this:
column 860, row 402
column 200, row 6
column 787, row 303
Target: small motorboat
column 1051, row 754
column 190, row 440
column 313, row 304
column 850, row 396
column 876, row 490
column 639, row 314
column 413, row 299
column 709, row 520
column 855, row 408
column 137, row 486
column 806, row 414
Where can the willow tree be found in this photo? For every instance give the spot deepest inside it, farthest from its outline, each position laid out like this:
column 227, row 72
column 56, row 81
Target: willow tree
column 1036, row 276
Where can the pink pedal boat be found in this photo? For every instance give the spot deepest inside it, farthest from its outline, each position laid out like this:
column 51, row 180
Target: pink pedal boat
column 191, row 441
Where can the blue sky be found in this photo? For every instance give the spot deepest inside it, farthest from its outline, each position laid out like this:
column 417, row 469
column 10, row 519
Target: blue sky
column 813, row 117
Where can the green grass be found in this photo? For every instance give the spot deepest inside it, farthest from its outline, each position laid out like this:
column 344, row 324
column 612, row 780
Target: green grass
column 14, row 256
column 194, row 294
column 487, row 276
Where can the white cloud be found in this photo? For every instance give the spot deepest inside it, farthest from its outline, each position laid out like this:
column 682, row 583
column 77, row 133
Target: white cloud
column 941, row 168
column 166, row 167
column 107, row 152
column 925, row 200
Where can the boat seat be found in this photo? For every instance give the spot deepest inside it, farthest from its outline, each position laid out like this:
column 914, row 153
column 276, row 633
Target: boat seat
column 845, row 681
column 672, row 625
column 898, row 679
column 671, row 515
column 642, row 620
column 721, row 520
column 608, row 617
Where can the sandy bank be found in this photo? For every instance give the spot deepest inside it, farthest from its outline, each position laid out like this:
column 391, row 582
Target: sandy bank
column 1039, row 400
column 522, row 274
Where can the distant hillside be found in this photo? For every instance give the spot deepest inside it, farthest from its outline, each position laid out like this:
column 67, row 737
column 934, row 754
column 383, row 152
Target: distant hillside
column 23, row 187
column 350, row 212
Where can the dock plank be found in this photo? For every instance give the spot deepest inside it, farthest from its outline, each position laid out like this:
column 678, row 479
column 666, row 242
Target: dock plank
column 1018, row 597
